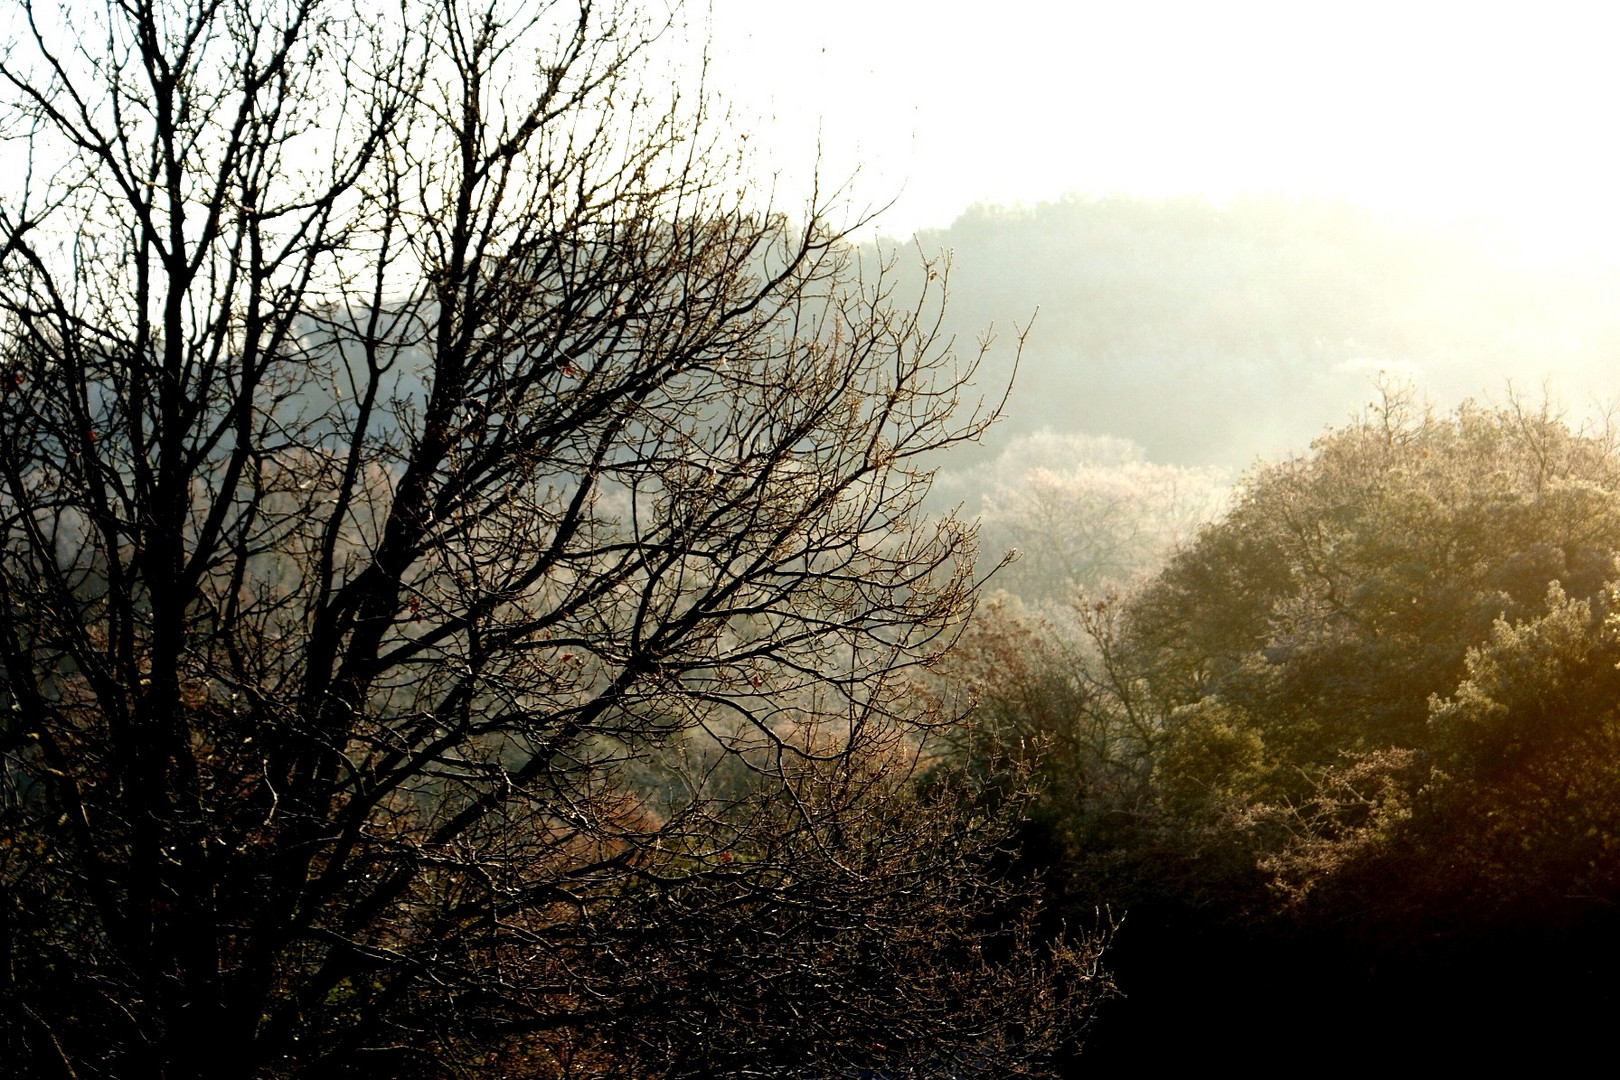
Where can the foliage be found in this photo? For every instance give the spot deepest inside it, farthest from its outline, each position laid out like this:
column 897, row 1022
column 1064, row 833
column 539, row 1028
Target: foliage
column 1359, row 739
column 1346, row 587
column 1326, row 619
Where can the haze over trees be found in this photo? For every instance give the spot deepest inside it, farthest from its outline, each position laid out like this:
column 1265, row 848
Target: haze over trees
column 1212, row 334
column 462, row 577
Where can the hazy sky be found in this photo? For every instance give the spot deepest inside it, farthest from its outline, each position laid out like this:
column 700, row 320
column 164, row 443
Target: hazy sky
column 1507, row 111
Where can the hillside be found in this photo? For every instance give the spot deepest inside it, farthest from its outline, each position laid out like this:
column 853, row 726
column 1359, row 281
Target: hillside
column 1213, row 334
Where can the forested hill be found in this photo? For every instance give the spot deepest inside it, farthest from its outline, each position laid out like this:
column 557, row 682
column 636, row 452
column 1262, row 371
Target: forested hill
column 1213, row 334
column 1346, row 755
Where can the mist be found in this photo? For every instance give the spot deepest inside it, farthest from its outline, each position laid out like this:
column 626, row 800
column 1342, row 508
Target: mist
column 1216, row 334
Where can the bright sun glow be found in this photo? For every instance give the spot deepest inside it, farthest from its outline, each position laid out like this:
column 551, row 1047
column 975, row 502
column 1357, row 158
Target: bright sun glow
column 1481, row 111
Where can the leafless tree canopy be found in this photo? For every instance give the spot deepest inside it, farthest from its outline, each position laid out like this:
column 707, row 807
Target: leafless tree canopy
column 461, row 573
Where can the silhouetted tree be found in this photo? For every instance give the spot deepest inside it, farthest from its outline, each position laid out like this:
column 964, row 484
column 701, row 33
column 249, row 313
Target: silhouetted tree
column 460, row 571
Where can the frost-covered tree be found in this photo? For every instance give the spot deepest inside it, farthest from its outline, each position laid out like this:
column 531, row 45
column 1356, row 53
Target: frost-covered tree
column 1083, row 512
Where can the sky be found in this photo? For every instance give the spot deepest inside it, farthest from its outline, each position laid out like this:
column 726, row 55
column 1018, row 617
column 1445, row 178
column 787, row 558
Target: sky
column 1478, row 111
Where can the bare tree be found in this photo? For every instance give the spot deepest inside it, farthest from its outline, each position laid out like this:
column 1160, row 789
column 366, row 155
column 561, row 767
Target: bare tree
column 460, row 574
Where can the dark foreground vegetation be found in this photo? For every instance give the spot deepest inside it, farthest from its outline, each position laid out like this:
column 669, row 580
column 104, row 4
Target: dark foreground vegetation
column 1350, row 762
